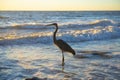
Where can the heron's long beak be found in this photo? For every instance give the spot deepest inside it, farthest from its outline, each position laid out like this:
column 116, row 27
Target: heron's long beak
column 49, row 25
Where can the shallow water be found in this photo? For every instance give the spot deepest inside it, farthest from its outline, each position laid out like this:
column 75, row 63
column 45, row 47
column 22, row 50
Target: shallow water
column 27, row 50
column 44, row 61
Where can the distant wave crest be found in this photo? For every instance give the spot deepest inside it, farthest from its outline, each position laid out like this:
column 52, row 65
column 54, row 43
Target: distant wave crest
column 93, row 24
column 3, row 17
column 33, row 25
column 96, row 30
column 91, row 34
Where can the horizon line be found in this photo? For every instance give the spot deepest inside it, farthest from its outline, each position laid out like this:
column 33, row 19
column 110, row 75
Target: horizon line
column 59, row 10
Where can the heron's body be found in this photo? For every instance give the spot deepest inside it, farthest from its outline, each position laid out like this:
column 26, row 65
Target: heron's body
column 64, row 47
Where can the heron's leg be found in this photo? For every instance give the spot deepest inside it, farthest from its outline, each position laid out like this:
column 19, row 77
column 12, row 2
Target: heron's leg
column 62, row 58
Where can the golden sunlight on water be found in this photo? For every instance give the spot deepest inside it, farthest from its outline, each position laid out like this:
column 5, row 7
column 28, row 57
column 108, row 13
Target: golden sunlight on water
column 96, row 31
column 10, row 36
column 26, row 65
column 25, row 57
column 13, row 35
column 109, row 29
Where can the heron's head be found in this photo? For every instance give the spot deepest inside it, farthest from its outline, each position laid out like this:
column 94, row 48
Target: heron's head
column 55, row 24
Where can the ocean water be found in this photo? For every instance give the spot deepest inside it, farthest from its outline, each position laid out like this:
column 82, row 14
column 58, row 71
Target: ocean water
column 27, row 49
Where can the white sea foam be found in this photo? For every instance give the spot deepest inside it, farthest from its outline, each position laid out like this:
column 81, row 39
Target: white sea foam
column 30, row 33
column 100, row 33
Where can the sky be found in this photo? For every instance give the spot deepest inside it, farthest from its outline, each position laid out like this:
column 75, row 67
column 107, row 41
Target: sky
column 59, row 5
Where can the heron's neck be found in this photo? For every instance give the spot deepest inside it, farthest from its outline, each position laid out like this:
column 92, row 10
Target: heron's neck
column 54, row 35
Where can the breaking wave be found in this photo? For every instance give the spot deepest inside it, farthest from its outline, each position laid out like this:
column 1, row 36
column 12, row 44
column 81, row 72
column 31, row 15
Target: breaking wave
column 33, row 25
column 3, row 17
column 102, row 30
column 93, row 24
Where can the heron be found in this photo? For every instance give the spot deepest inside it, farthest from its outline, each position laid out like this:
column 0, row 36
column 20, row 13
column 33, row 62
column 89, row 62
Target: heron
column 62, row 45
